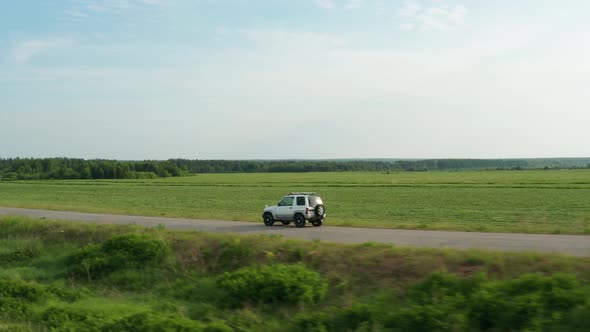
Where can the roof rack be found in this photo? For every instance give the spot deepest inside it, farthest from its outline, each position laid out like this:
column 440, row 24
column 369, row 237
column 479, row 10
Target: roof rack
column 302, row 193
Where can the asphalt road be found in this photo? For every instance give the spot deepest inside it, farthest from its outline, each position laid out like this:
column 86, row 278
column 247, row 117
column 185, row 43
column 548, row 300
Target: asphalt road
column 578, row 245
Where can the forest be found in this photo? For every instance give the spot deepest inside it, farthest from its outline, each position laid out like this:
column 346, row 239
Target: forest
column 74, row 168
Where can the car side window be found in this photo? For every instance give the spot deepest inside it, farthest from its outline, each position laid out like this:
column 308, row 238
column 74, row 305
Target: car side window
column 286, row 201
column 301, row 201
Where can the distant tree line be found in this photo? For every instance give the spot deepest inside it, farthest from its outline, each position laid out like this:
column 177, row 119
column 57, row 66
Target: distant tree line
column 280, row 166
column 457, row 164
column 70, row 168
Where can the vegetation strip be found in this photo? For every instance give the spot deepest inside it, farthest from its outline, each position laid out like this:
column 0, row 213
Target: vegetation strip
column 114, row 278
column 74, row 168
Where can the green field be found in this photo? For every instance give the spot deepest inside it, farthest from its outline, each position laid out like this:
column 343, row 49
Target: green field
column 67, row 276
column 543, row 201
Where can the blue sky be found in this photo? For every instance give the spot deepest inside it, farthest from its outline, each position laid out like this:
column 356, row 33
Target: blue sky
column 158, row 79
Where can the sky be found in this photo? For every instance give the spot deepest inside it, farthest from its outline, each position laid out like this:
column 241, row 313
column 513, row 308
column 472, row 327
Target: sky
column 294, row 79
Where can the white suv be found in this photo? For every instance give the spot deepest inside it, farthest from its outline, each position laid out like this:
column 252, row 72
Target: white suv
column 297, row 207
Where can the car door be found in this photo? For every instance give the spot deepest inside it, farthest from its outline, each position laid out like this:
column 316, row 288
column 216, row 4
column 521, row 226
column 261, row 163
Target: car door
column 284, row 209
column 300, row 205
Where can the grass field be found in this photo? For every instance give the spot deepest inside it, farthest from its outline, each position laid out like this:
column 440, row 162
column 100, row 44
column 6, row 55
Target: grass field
column 552, row 201
column 137, row 279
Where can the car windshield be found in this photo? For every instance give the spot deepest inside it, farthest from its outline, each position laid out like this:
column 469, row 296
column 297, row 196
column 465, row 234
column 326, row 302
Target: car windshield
column 315, row 200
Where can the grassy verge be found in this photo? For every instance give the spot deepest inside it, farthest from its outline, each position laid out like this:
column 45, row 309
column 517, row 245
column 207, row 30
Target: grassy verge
column 69, row 276
column 519, row 201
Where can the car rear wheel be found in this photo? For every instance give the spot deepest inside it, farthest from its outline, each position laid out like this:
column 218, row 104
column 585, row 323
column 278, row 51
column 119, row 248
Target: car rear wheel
column 317, row 223
column 299, row 221
column 320, row 210
column 268, row 219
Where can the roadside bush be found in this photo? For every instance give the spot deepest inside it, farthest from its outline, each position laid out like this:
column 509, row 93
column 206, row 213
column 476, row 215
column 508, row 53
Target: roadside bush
column 313, row 322
column 556, row 293
column 438, row 287
column 153, row 322
column 134, row 279
column 491, row 310
column 15, row 328
column 134, row 250
column 576, row 320
column 353, row 318
column 277, row 283
column 416, row 318
column 73, row 319
column 19, row 256
column 446, row 302
column 195, row 290
column 68, row 294
column 530, row 301
column 118, row 253
column 21, row 290
column 12, row 309
column 16, row 297
column 218, row 327
column 227, row 255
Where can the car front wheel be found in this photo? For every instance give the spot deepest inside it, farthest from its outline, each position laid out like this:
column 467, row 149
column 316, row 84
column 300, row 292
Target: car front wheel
column 268, row 219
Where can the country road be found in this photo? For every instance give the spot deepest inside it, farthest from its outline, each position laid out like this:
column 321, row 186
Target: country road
column 578, row 245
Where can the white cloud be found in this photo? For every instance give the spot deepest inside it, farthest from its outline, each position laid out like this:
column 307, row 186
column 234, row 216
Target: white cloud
column 25, row 50
column 346, row 4
column 435, row 16
column 326, row 4
column 81, row 9
column 76, row 13
column 353, row 4
column 279, row 39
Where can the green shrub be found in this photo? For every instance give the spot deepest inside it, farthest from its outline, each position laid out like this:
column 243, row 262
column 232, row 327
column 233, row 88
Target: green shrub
column 153, row 322
column 446, row 302
column 352, row 318
column 576, row 320
column 134, row 250
column 218, row 327
column 275, row 283
column 118, row 253
column 16, row 297
column 440, row 286
column 21, row 290
column 527, row 302
column 194, row 290
column 68, row 294
column 12, row 309
column 15, row 328
column 91, row 262
column 312, row 322
column 19, row 256
column 227, row 255
column 58, row 318
column 425, row 318
column 492, row 310
column 134, row 279
column 556, row 293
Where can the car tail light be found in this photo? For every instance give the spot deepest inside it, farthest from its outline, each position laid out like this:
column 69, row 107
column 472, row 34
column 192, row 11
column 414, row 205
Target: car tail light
column 306, row 210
